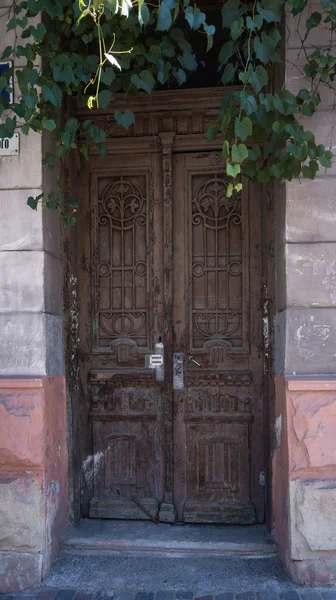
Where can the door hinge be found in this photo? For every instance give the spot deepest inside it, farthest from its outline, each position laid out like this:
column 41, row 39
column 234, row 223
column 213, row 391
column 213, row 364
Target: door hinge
column 262, row 478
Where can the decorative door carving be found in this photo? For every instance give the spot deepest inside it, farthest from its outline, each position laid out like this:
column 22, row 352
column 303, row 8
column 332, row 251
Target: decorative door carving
column 217, row 326
column 166, row 257
column 127, row 399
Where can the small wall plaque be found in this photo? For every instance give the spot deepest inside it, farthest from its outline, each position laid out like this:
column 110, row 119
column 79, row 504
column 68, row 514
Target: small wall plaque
column 9, row 146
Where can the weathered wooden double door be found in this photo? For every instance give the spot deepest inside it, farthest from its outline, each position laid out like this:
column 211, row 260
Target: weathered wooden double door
column 175, row 364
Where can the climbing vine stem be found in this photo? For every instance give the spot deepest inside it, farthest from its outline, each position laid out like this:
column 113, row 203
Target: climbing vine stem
column 91, row 49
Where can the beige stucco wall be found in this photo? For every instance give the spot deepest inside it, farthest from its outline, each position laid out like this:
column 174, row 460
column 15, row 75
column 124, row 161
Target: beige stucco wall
column 304, row 461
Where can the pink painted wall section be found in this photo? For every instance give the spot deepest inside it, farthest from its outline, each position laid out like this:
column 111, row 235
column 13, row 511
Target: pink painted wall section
column 309, row 417
column 33, row 478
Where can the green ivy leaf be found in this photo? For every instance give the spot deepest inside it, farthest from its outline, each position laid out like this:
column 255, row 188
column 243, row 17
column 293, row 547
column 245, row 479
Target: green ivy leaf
column 143, row 14
column 143, row 82
column 195, row 17
column 325, row 161
column 257, row 78
column 48, row 124
column 232, row 170
column 229, row 73
column 104, row 98
column 239, row 153
column 231, row 11
column 7, row 52
column 52, row 93
column 85, row 150
column 250, row 105
column 236, row 28
column 211, row 132
column 314, row 20
column 229, row 190
column 270, row 10
column 125, row 119
column 165, row 19
column 243, row 128
column 32, row 202
column 180, row 76
column 309, row 172
column 226, row 52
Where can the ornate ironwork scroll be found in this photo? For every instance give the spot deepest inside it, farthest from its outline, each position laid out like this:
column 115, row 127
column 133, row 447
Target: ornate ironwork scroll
column 122, row 267
column 216, row 268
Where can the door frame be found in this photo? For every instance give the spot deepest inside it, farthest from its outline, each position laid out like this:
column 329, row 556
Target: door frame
column 166, row 122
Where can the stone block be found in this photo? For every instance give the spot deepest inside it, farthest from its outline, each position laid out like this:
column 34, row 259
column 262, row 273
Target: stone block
column 311, row 210
column 311, row 410
column 30, row 344
column 25, row 170
column 22, row 344
column 310, row 340
column 22, row 515
column 296, row 29
column 22, row 285
column 21, row 227
column 311, row 274
column 313, row 517
column 19, row 570
column 21, row 427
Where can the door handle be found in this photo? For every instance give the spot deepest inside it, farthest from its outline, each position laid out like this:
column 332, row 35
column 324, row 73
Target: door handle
column 192, row 360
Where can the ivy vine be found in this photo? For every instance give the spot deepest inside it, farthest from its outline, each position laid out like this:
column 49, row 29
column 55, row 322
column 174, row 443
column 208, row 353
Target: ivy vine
column 91, row 49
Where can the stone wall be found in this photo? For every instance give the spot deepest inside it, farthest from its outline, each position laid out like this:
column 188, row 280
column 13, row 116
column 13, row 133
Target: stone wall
column 33, row 453
column 304, row 461
column 33, row 478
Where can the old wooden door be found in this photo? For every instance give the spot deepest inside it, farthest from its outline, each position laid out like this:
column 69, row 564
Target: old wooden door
column 218, row 415
column 170, row 266
column 127, row 314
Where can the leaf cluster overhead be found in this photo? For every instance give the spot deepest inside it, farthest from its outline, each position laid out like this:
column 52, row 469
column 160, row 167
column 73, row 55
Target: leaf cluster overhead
column 91, row 49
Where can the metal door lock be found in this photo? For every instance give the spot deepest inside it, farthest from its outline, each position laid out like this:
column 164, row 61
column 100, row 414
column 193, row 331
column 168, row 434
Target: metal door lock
column 156, row 361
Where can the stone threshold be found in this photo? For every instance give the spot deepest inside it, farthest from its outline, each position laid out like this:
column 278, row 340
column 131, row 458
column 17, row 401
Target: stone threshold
column 137, row 538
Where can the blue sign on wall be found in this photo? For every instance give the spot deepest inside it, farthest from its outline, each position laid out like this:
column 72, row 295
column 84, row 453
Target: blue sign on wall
column 6, row 70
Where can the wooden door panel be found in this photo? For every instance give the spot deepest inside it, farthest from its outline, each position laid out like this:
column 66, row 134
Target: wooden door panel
column 127, row 323
column 217, row 326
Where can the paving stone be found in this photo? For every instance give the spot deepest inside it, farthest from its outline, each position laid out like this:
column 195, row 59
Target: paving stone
column 144, row 596
column 184, row 595
column 123, row 596
column 165, row 595
column 227, row 596
column 65, row 595
column 267, row 595
column 311, row 595
column 246, row 596
column 290, row 596
column 80, row 596
column 204, row 598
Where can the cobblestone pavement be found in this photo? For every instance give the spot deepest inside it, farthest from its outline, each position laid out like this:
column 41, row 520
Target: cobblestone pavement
column 68, row 594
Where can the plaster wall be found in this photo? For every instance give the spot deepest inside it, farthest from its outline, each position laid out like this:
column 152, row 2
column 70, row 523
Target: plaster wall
column 33, row 453
column 304, row 459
